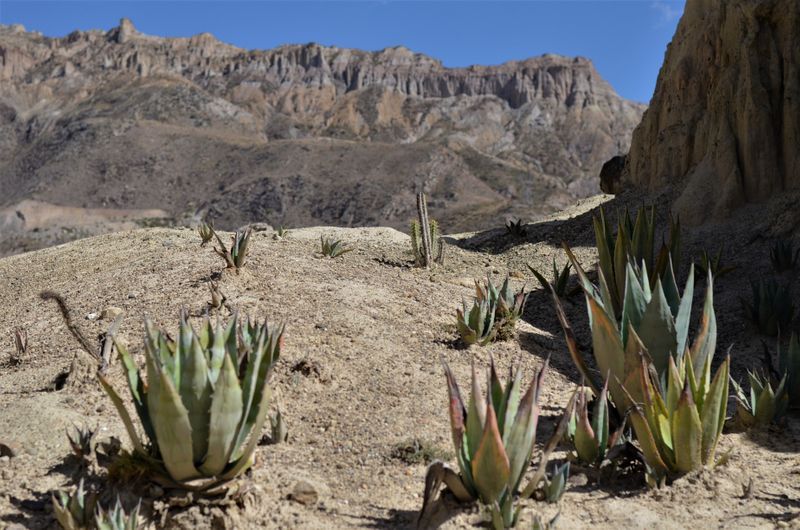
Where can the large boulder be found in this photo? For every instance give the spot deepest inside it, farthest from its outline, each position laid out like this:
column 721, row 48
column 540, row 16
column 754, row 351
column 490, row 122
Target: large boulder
column 723, row 127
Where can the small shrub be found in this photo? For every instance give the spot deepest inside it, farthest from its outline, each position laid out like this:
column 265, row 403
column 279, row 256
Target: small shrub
column 418, row 451
column 332, row 248
column 771, row 308
column 783, row 256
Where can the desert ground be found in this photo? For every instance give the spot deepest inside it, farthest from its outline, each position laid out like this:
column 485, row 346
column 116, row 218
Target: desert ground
column 360, row 376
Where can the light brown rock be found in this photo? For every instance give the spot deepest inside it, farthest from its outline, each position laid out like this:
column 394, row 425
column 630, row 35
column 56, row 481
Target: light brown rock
column 723, row 127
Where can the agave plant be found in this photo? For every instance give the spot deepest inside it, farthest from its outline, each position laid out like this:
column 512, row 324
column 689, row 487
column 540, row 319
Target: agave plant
column 74, row 511
column 493, row 439
column 713, row 265
column 783, row 256
column 476, row 325
column 332, row 248
column 592, row 438
column 557, row 484
column 508, row 305
column 236, row 255
column 205, row 394
column 764, row 405
column 653, row 322
column 789, row 368
column 117, row 519
column 771, row 308
column 652, row 370
column 82, row 442
column 515, row 228
column 281, row 233
column 634, row 241
column 678, row 425
column 560, row 279
column 206, row 231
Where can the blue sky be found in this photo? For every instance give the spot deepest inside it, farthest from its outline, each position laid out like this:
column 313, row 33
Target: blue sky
column 626, row 39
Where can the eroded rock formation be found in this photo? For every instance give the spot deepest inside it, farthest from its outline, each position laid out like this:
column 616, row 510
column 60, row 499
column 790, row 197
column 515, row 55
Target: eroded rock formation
column 723, row 127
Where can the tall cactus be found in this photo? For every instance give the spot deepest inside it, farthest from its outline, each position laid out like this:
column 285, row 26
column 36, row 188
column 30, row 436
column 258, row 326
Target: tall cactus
column 425, row 237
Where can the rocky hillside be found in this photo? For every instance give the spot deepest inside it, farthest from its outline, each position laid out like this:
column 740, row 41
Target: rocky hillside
column 297, row 135
column 723, row 127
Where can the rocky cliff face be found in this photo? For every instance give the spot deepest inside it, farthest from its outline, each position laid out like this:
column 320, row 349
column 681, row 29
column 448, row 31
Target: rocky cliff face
column 723, row 127
column 123, row 119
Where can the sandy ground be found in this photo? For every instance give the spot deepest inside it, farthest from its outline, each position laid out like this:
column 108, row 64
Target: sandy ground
column 360, row 374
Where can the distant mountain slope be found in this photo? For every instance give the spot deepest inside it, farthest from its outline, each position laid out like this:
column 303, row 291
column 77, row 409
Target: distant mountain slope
column 297, row 135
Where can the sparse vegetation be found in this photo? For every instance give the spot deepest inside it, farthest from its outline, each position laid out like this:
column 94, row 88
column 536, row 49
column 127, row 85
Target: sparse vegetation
column 81, row 440
column 789, row 368
column 333, row 248
column 560, row 279
column 205, row 394
column 419, row 451
column 206, row 232
column 236, row 255
column 771, row 308
column 493, row 440
column 763, row 405
column 476, row 325
column 713, row 265
column 783, row 256
column 281, row 232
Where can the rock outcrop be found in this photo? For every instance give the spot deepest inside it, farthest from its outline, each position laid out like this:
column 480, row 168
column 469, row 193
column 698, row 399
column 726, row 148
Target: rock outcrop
column 723, row 127
column 122, row 119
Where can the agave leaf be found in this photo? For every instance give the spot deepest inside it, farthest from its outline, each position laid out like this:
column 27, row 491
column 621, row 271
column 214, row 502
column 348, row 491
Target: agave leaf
column 586, row 442
column 765, row 406
column 171, row 423
column 684, row 314
column 687, row 433
column 123, row 413
column 519, row 445
column 511, row 403
column 476, row 416
column 644, row 435
column 706, row 341
column 600, row 419
column 657, row 330
column 490, row 466
column 195, row 393
column 608, row 350
column 634, row 304
column 245, row 459
column 496, row 388
column 621, row 247
column 572, row 344
column 437, row 474
column 457, row 410
column 226, row 412
column 217, row 351
column 137, row 389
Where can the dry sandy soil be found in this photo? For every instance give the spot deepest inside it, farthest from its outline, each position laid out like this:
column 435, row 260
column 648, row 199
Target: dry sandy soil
column 360, row 374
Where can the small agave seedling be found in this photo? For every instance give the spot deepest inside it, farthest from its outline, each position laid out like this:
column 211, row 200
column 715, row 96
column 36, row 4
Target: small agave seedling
column 20, row 345
column 557, row 484
column 509, row 305
column 281, row 233
column 206, row 231
column 236, row 255
column 493, row 439
column 560, row 279
column 206, row 392
column 278, row 431
column 117, row 519
column 74, row 511
column 771, row 308
column 476, row 325
column 515, row 228
column 332, row 248
column 82, row 442
column 783, row 256
column 788, row 368
column 713, row 265
column 764, row 405
column 591, row 438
